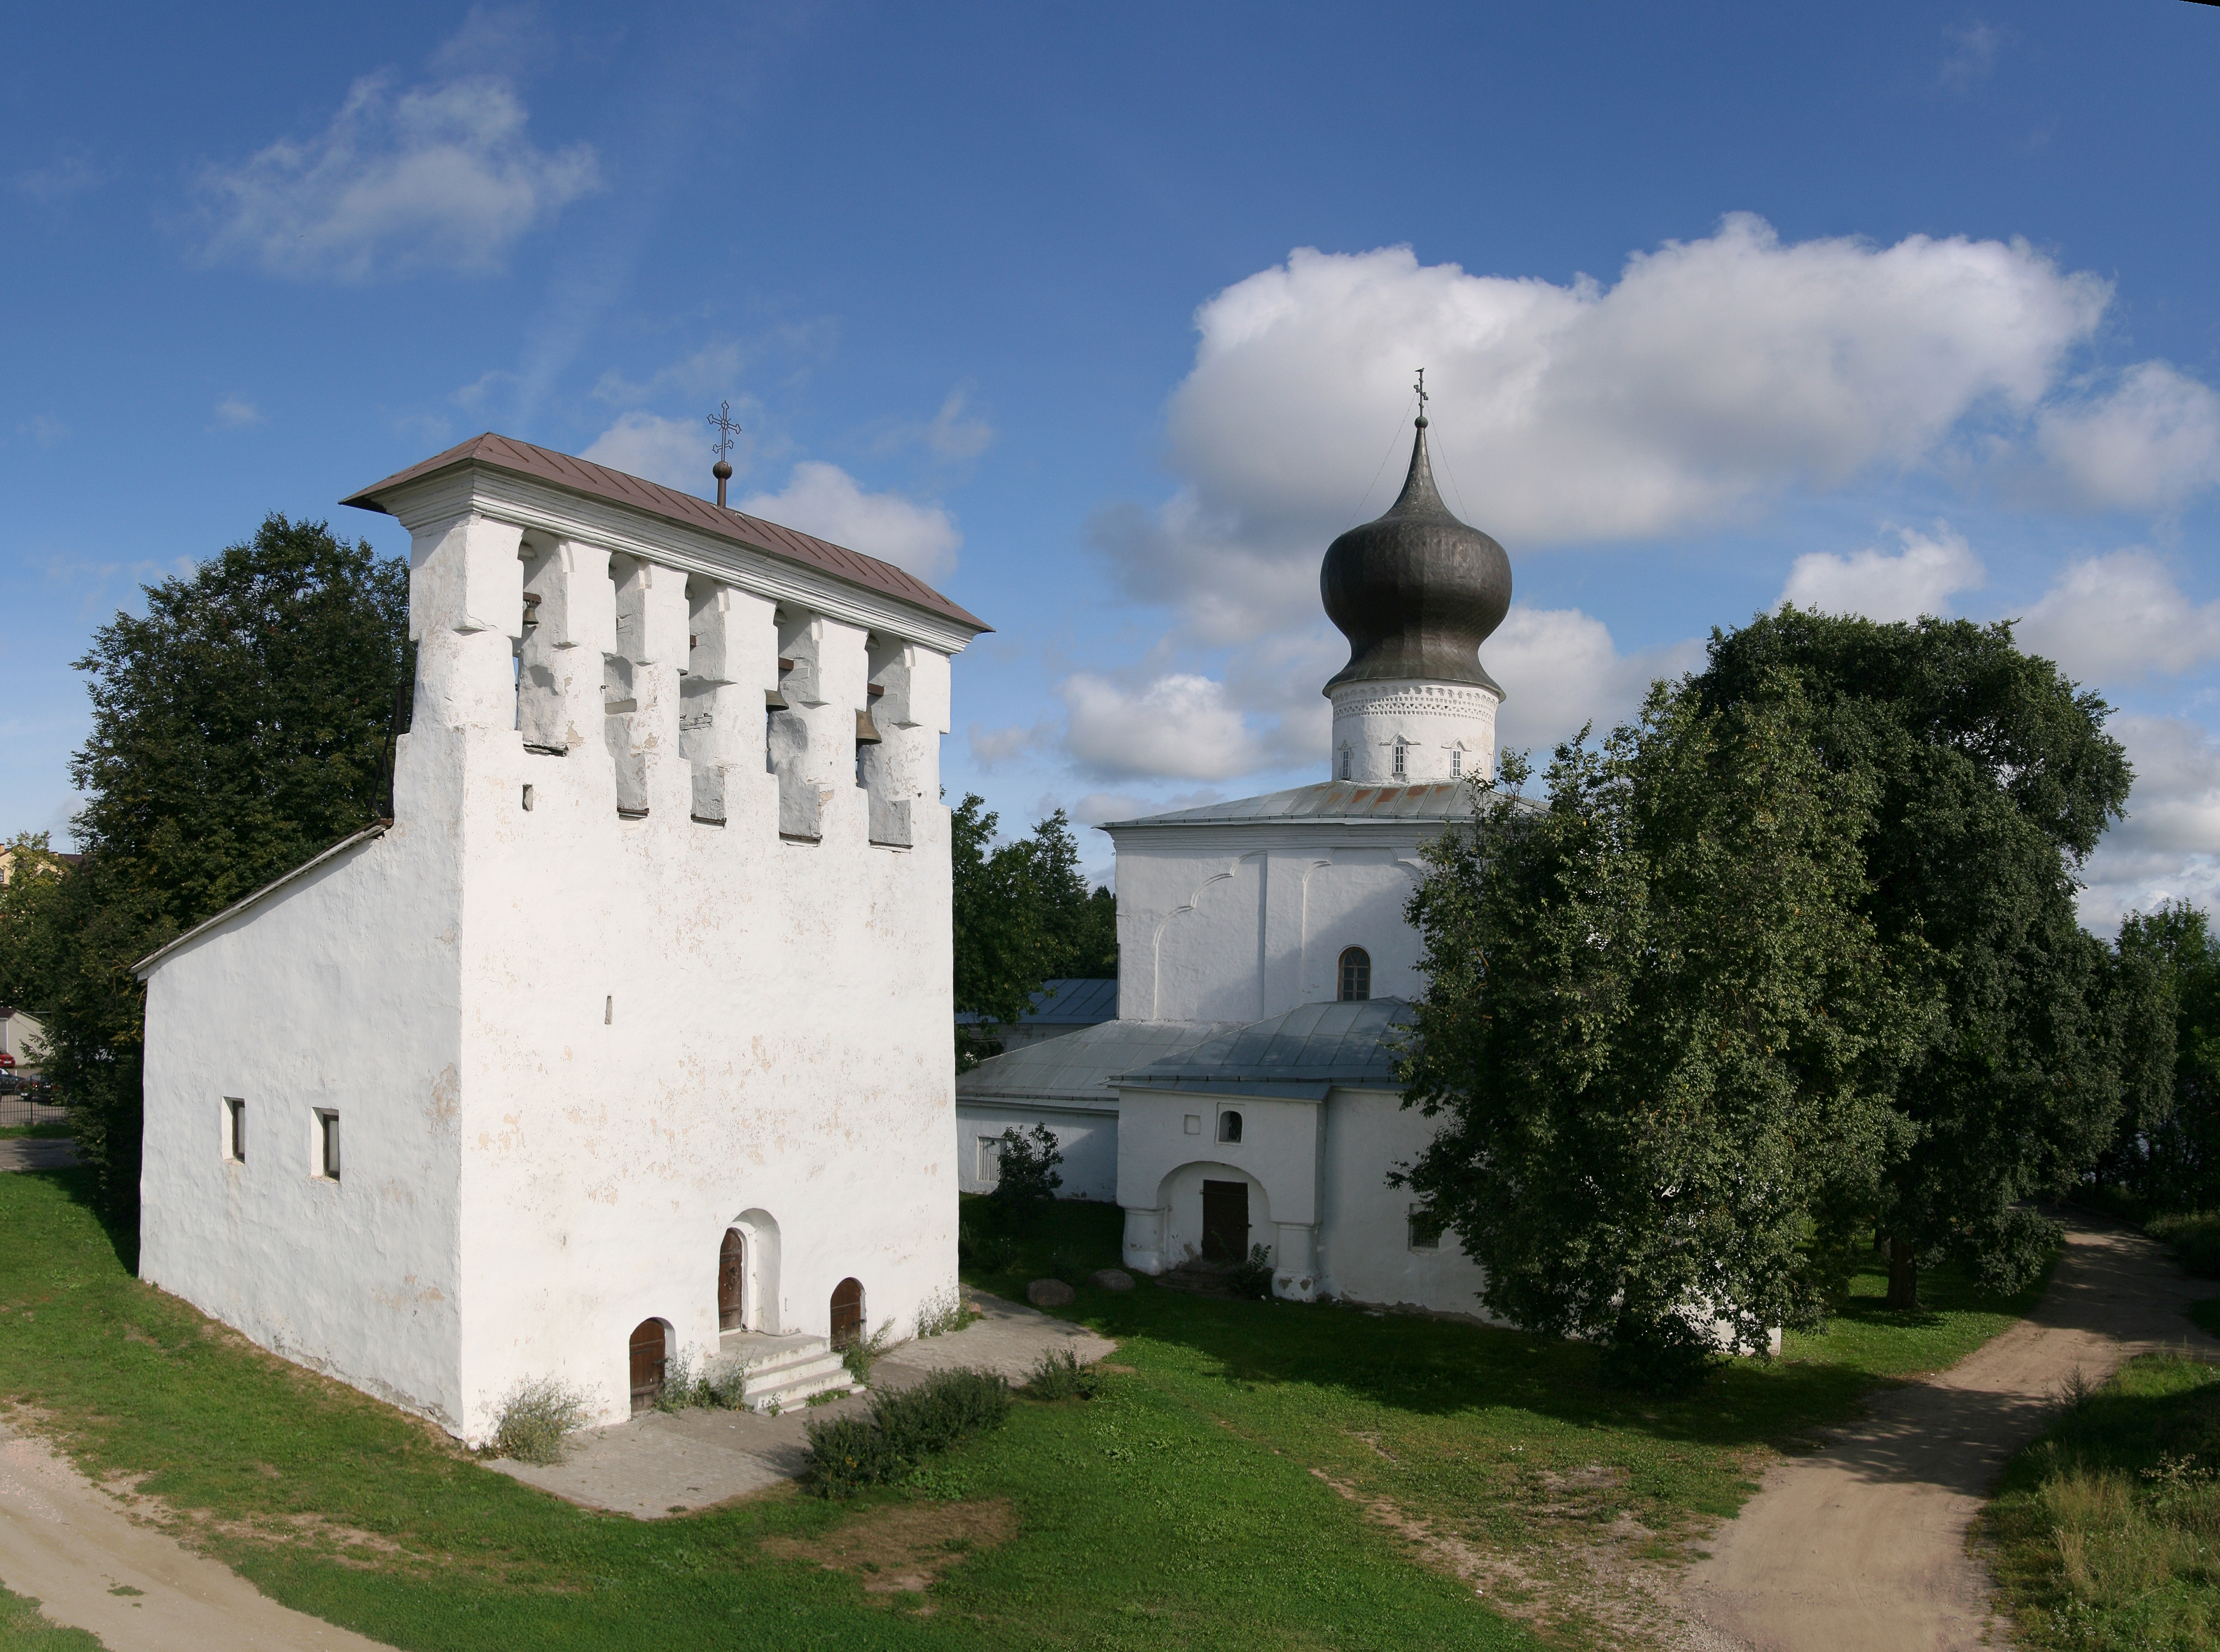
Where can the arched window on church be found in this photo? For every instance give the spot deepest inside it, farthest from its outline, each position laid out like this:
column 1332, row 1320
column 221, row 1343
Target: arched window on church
column 1357, row 971
column 1400, row 749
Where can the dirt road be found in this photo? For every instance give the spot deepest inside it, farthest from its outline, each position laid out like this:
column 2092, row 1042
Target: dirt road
column 1861, row 1547
column 71, row 1546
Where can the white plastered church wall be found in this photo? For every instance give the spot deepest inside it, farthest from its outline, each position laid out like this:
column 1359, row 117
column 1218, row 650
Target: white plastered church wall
column 1411, row 733
column 569, row 1046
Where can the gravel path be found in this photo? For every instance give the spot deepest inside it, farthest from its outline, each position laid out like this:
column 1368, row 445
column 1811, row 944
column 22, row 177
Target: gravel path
column 71, row 1546
column 1860, row 1546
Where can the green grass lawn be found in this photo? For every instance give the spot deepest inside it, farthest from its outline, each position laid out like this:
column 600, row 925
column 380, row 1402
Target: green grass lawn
column 50, row 1132
column 1219, row 1492
column 2106, row 1531
column 24, row 1627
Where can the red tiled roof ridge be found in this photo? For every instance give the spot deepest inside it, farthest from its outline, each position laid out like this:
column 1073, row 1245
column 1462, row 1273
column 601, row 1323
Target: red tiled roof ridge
column 599, row 482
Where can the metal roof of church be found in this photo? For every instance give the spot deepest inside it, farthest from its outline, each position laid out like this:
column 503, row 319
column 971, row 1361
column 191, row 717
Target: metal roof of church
column 599, row 482
column 1081, row 1066
column 1333, row 801
column 1068, row 1001
column 1310, row 1049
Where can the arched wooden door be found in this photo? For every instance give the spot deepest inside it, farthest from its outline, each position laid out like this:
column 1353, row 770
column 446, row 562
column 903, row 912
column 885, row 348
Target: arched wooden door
column 732, row 1276
column 847, row 1312
column 651, row 1357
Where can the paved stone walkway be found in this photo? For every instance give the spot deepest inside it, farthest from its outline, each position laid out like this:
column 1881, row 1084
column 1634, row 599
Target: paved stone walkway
column 670, row 1463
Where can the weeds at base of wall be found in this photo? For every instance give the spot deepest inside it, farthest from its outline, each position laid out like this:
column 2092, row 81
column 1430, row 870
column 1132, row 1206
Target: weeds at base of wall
column 537, row 1417
column 1254, row 1276
column 846, row 1454
column 688, row 1383
column 863, row 1353
column 944, row 1311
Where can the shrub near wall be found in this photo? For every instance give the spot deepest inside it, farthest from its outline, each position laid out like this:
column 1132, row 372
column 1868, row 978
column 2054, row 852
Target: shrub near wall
column 906, row 1426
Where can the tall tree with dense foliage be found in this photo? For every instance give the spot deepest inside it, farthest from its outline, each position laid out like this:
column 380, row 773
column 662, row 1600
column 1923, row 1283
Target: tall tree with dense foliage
column 2173, row 1162
column 1023, row 915
column 1659, row 1033
column 1991, row 778
column 241, row 726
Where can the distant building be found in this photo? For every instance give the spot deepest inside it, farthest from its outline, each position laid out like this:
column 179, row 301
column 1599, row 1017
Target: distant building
column 19, row 1040
column 627, row 1039
column 1059, row 1006
column 1247, row 1093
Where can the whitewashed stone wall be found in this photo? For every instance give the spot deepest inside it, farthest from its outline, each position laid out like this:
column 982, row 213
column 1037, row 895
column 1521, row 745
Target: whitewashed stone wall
column 1237, row 923
column 1411, row 733
column 639, row 961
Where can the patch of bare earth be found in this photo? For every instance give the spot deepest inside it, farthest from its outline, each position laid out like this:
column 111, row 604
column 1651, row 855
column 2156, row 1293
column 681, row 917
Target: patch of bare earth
column 1600, row 1586
column 903, row 1548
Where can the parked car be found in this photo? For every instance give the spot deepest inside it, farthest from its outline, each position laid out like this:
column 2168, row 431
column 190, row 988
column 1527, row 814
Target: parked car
column 10, row 1082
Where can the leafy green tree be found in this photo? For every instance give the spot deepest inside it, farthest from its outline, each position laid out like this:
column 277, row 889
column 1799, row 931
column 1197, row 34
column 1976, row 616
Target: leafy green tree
column 240, row 727
column 1658, row 1032
column 1023, row 915
column 1027, row 1169
column 2173, row 1162
column 1991, row 778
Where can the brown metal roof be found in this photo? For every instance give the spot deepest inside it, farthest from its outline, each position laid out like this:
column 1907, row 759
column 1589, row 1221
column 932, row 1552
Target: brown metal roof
column 599, row 482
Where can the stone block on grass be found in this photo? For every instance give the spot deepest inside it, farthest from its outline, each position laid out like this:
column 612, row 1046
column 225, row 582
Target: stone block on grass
column 1110, row 1279
column 1049, row 1293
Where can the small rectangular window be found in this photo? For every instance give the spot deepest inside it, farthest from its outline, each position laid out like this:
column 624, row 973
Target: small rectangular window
column 1398, row 759
column 990, row 1158
column 234, row 1129
column 1425, row 1229
column 327, row 1145
column 1456, row 764
column 1344, row 763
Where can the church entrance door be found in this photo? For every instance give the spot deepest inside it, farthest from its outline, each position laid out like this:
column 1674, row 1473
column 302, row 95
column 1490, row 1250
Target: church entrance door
column 1224, row 1221
column 731, row 1286
column 847, row 1312
column 649, row 1359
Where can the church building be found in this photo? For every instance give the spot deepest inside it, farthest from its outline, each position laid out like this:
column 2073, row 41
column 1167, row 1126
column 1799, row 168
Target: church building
column 626, row 1039
column 1246, row 1095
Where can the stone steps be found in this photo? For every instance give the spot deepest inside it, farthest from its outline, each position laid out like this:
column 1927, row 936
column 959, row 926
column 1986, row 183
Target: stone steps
column 782, row 1372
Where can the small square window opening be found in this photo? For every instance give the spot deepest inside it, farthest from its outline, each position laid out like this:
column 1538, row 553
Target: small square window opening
column 327, row 1145
column 234, row 1129
column 1425, row 1229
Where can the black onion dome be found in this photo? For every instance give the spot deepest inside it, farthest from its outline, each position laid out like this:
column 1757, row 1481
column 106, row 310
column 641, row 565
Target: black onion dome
column 1416, row 591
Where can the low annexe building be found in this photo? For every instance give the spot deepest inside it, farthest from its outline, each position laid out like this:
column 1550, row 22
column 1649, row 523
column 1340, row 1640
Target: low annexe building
column 629, row 1035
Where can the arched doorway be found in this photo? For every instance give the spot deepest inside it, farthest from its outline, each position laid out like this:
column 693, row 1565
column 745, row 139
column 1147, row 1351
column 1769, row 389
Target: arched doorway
column 651, row 1359
column 732, row 1281
column 847, row 1312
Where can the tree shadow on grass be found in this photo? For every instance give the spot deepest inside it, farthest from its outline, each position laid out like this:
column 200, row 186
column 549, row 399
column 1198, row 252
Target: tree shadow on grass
column 83, row 1188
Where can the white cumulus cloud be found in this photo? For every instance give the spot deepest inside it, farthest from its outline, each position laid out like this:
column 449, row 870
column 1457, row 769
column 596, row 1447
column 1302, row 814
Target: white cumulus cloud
column 673, row 451
column 1181, row 725
column 2147, row 444
column 436, row 177
column 2168, row 847
column 2121, row 617
column 825, row 500
column 1919, row 577
column 1560, row 669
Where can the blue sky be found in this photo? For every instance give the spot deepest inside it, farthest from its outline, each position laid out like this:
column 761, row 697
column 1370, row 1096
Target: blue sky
column 1104, row 322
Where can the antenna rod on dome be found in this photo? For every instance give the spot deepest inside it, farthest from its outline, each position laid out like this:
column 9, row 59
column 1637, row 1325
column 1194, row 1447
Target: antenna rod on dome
column 1422, row 398
column 722, row 418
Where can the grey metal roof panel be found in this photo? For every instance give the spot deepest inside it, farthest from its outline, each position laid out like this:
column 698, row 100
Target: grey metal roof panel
column 1352, row 1045
column 1072, row 1000
column 1340, row 800
column 599, row 482
column 1081, row 1066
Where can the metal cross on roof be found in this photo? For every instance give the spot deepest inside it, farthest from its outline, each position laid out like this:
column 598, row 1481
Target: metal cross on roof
column 1422, row 395
column 727, row 428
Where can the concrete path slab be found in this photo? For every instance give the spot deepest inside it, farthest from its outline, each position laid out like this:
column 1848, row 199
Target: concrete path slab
column 1860, row 1546
column 71, row 1546
column 36, row 1153
column 670, row 1463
